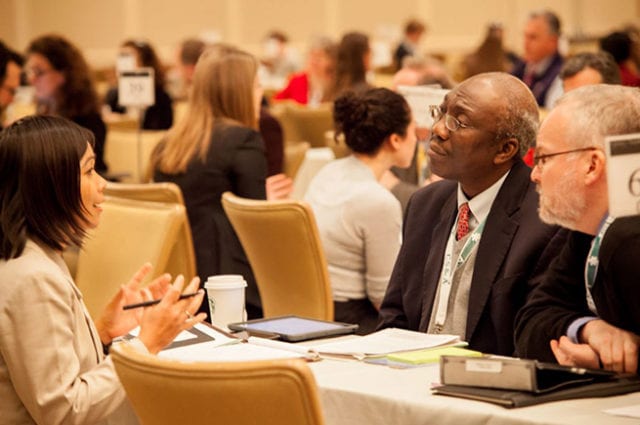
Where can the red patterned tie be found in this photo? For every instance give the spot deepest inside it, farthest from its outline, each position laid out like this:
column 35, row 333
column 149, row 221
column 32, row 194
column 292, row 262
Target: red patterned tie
column 463, row 221
column 528, row 78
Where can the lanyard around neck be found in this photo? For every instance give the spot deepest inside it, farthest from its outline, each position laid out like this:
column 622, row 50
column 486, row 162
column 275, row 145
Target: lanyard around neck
column 591, row 266
column 446, row 277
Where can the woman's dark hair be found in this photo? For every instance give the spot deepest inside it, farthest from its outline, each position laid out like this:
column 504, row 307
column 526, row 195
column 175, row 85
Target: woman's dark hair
column 148, row 58
column 368, row 118
column 40, row 192
column 350, row 67
column 618, row 44
column 77, row 95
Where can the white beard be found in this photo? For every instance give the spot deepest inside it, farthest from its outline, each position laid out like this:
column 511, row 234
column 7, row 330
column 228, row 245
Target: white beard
column 565, row 206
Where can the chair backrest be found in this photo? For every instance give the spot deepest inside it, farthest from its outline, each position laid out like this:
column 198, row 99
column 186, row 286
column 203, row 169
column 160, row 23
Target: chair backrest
column 130, row 234
column 294, row 154
column 283, row 245
column 151, row 192
column 339, row 146
column 127, row 152
column 164, row 391
column 304, row 123
column 182, row 259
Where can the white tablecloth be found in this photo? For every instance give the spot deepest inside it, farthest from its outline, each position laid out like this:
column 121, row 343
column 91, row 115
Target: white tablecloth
column 358, row 393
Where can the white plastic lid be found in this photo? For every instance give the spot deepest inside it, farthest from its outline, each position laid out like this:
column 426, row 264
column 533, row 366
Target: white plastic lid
column 225, row 281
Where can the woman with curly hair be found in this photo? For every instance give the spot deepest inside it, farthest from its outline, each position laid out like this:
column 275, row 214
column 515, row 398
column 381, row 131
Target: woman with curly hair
column 358, row 219
column 64, row 87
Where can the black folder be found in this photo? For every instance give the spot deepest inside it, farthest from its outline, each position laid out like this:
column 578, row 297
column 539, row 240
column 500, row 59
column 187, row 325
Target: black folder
column 511, row 399
column 513, row 382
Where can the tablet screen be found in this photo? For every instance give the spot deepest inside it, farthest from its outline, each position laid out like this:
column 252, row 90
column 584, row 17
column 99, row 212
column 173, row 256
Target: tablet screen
column 293, row 328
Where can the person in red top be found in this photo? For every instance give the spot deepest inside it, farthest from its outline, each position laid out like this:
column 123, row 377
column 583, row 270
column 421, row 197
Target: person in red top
column 619, row 44
column 315, row 83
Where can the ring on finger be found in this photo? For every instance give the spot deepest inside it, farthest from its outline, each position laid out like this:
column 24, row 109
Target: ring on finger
column 189, row 315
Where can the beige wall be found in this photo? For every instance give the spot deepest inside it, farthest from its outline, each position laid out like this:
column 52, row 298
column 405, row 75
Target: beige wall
column 456, row 26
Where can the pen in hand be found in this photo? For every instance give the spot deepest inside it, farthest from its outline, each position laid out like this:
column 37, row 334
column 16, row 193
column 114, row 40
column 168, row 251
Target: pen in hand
column 154, row 302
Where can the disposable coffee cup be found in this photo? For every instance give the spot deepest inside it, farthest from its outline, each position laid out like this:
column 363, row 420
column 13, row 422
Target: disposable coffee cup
column 226, row 298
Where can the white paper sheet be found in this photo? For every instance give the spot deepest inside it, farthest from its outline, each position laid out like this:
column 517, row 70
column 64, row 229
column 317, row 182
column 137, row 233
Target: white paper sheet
column 386, row 341
column 628, row 411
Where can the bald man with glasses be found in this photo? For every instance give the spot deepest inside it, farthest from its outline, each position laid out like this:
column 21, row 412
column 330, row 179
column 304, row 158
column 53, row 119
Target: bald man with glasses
column 587, row 310
column 473, row 244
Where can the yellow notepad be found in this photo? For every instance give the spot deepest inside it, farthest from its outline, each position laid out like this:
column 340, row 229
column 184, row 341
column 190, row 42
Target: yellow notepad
column 431, row 355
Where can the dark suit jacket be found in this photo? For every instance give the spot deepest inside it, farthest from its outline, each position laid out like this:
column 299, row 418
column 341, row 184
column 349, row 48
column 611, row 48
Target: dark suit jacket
column 399, row 54
column 235, row 162
column 561, row 298
column 273, row 138
column 541, row 83
column 513, row 253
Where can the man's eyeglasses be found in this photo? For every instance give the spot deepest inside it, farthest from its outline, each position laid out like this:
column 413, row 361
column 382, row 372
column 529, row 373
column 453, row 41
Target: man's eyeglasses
column 540, row 160
column 450, row 122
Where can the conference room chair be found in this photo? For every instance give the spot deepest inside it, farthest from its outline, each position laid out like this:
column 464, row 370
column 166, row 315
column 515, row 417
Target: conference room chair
column 120, row 122
column 294, row 155
column 182, row 258
column 283, row 246
column 130, row 234
column 339, row 146
column 127, row 153
column 150, row 192
column 169, row 392
column 304, row 123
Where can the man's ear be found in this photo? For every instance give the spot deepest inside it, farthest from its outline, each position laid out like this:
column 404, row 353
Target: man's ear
column 596, row 167
column 507, row 150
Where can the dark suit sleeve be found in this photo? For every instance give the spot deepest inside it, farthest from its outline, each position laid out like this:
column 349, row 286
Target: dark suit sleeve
column 271, row 133
column 617, row 292
column 111, row 99
column 555, row 302
column 159, row 116
column 392, row 312
column 249, row 167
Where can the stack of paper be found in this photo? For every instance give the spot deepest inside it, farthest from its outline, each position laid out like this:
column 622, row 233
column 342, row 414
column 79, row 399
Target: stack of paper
column 431, row 355
column 386, row 341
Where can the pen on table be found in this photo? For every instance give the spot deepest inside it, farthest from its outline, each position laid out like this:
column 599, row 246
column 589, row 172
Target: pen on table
column 154, row 302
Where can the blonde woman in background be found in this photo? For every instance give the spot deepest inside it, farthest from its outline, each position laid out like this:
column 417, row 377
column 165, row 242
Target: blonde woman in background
column 216, row 148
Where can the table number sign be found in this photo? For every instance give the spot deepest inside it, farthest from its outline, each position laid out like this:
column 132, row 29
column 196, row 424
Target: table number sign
column 623, row 174
column 136, row 87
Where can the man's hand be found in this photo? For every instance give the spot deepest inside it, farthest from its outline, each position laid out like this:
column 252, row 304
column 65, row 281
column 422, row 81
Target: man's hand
column 616, row 348
column 570, row 354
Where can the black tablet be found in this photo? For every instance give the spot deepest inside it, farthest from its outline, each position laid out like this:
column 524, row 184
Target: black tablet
column 294, row 328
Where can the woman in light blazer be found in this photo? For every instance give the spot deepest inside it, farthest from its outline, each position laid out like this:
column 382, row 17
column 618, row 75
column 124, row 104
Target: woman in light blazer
column 53, row 366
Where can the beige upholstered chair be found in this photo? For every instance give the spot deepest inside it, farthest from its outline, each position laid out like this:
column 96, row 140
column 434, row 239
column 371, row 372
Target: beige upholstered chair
column 127, row 153
column 304, row 123
column 182, row 258
column 151, row 192
column 130, row 233
column 171, row 392
column 339, row 147
column 283, row 246
column 294, row 154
